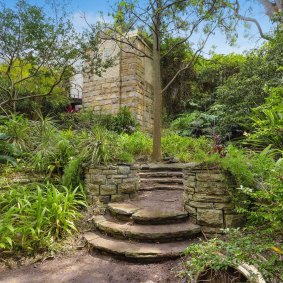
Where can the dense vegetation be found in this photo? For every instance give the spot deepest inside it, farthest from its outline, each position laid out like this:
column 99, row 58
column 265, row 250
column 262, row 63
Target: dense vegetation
column 227, row 109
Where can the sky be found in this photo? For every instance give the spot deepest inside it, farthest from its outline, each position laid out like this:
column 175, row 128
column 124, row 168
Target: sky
column 92, row 9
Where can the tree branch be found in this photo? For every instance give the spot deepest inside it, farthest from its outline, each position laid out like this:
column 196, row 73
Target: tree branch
column 125, row 40
column 249, row 19
column 191, row 63
column 195, row 25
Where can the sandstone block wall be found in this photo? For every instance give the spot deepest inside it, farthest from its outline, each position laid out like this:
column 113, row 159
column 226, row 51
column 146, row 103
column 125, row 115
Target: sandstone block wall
column 128, row 83
column 207, row 199
column 102, row 95
column 111, row 183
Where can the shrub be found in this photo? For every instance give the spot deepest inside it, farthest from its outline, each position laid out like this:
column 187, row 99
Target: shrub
column 124, row 122
column 194, row 124
column 85, row 120
column 52, row 148
column 265, row 207
column 238, row 163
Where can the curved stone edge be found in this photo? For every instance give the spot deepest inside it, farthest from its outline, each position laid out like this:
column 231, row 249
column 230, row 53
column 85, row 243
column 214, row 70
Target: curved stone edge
column 147, row 233
column 154, row 216
column 135, row 251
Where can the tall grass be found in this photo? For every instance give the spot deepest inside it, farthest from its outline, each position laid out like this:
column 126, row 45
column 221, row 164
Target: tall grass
column 186, row 149
column 135, row 146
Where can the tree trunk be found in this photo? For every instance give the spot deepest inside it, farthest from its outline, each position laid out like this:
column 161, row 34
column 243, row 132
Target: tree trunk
column 157, row 90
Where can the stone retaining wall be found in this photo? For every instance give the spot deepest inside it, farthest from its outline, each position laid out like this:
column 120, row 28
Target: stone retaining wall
column 206, row 192
column 207, row 199
column 111, row 183
column 19, row 178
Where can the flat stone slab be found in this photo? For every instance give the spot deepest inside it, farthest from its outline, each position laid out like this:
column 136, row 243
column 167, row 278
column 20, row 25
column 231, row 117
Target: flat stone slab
column 147, row 233
column 159, row 216
column 163, row 174
column 162, row 180
column 133, row 250
column 156, row 187
column 165, row 166
column 125, row 209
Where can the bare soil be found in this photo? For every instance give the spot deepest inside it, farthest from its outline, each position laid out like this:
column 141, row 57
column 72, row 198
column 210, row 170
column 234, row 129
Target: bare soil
column 82, row 267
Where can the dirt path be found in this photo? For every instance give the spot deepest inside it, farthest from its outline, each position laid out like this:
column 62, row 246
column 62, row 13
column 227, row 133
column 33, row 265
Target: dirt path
column 82, row 267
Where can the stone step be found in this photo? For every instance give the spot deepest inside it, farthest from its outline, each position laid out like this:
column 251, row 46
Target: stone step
column 161, row 180
column 155, row 187
column 135, row 251
column 127, row 212
column 122, row 211
column 163, row 167
column 159, row 216
column 158, row 174
column 147, row 233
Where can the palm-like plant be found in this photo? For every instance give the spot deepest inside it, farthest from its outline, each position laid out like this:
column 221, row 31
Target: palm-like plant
column 97, row 146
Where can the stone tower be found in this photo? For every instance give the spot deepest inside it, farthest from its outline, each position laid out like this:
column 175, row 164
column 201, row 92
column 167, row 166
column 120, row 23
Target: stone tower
column 128, row 83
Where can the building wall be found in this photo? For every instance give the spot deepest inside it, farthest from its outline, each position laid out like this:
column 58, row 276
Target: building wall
column 128, row 83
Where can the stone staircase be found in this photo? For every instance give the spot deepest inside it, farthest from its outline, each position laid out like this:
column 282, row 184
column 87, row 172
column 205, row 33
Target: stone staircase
column 161, row 177
column 152, row 227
